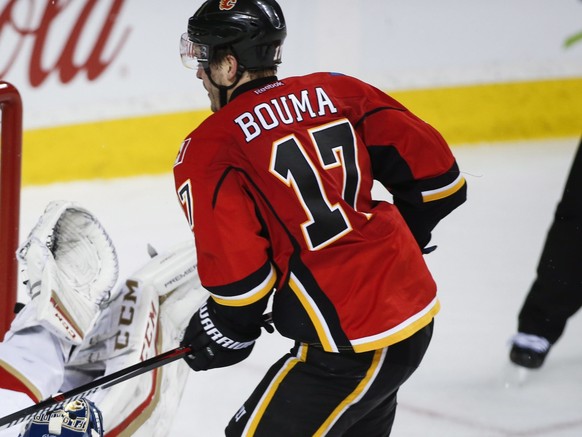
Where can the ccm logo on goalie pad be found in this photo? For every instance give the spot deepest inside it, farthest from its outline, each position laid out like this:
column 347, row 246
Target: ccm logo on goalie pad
column 135, row 321
column 216, row 336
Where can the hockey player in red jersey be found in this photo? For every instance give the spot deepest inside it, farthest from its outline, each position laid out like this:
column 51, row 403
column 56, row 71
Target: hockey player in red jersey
column 276, row 185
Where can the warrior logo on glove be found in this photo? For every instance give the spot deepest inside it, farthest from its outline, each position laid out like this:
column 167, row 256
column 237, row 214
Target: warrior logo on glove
column 216, row 336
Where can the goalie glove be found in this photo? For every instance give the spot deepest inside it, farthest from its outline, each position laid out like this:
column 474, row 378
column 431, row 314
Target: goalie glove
column 69, row 266
column 213, row 343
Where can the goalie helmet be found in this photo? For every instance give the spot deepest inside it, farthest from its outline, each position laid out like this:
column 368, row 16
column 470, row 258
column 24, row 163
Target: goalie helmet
column 80, row 418
column 253, row 29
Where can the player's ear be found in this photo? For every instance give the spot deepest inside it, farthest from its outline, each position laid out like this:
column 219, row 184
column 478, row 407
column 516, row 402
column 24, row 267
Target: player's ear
column 231, row 65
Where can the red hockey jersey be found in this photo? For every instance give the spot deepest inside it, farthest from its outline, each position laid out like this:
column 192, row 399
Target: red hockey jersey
column 277, row 189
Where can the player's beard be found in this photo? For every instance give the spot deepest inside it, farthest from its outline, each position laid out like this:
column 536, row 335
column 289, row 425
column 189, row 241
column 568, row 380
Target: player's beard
column 213, row 92
column 214, row 97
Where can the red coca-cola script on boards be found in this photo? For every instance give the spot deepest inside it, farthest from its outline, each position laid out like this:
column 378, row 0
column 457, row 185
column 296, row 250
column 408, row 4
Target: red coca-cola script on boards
column 17, row 19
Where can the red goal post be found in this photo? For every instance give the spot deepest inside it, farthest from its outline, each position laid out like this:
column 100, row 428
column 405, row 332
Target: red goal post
column 10, row 179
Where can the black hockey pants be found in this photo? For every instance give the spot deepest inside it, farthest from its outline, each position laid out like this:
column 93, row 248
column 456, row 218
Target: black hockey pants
column 556, row 293
column 309, row 392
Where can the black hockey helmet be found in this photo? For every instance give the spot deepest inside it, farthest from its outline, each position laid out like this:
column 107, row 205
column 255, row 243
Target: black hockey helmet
column 253, row 29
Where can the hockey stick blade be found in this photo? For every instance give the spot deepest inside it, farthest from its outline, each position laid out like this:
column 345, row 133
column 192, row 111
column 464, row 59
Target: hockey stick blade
column 94, row 386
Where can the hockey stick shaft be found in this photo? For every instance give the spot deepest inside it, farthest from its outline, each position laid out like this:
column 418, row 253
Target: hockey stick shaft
column 94, row 386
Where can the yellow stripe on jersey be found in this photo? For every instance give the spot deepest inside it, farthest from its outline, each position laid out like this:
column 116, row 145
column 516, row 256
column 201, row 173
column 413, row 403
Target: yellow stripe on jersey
column 24, row 380
column 446, row 191
column 400, row 332
column 251, row 296
column 356, row 395
column 323, row 332
column 263, row 403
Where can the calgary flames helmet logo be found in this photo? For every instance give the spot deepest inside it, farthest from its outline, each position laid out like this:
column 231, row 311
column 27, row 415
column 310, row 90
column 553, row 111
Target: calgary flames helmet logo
column 226, row 5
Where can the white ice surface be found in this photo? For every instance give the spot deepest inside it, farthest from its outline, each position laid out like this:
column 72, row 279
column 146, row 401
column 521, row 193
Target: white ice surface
column 484, row 265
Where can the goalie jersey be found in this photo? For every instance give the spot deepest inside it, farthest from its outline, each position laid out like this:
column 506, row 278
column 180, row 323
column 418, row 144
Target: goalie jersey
column 277, row 187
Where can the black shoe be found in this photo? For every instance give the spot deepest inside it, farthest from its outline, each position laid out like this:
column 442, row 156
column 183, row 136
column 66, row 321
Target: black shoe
column 529, row 351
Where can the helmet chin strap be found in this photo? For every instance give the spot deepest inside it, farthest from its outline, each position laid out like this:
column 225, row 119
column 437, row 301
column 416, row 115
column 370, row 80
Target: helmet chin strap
column 223, row 89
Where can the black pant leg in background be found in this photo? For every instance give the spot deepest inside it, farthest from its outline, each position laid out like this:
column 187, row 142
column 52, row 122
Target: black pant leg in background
column 556, row 293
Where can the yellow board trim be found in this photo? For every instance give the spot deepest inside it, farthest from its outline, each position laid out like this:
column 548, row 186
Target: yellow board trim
column 495, row 112
column 105, row 149
column 148, row 145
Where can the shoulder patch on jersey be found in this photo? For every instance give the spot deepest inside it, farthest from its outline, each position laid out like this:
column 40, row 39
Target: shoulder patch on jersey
column 182, row 152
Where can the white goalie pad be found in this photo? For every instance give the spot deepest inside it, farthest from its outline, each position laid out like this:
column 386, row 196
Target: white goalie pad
column 147, row 317
column 70, row 266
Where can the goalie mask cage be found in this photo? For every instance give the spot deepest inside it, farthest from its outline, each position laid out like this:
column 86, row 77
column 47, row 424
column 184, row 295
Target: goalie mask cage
column 10, row 175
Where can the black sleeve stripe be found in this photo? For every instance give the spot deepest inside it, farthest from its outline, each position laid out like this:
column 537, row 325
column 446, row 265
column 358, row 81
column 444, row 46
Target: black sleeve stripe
column 248, row 290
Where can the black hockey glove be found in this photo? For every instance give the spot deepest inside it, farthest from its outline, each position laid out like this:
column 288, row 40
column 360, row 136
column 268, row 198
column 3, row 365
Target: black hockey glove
column 213, row 343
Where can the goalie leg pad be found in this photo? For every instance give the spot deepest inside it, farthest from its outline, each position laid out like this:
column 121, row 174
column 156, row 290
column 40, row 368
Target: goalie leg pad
column 147, row 317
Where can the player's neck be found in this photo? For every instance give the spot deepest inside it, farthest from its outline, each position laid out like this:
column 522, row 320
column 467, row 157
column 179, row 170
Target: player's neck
column 251, row 84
